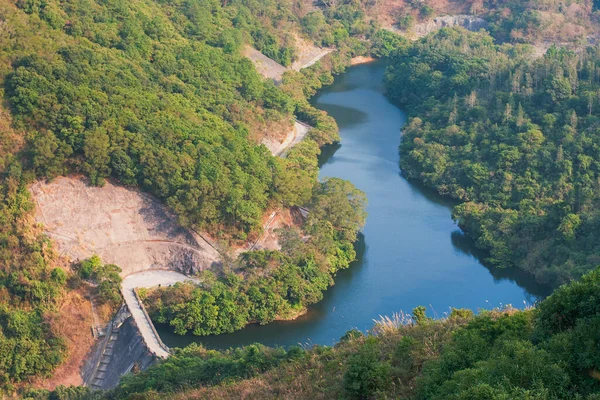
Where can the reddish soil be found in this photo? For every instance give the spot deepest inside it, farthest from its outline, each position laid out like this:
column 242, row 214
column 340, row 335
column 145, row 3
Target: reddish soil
column 73, row 322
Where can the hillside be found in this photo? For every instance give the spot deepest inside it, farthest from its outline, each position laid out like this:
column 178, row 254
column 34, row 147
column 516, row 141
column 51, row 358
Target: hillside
column 513, row 138
column 157, row 97
column 545, row 353
column 538, row 22
column 127, row 127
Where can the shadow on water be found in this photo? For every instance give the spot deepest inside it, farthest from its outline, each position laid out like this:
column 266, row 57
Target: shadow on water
column 431, row 194
column 466, row 245
column 351, row 116
column 327, row 152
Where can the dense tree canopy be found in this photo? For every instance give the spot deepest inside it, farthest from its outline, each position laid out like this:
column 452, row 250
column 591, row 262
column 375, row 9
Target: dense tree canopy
column 163, row 113
column 515, row 138
column 153, row 94
column 267, row 285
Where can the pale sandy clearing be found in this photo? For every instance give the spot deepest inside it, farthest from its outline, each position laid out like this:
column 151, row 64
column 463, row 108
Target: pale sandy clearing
column 123, row 226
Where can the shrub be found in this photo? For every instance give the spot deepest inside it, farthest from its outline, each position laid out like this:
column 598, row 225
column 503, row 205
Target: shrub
column 366, row 374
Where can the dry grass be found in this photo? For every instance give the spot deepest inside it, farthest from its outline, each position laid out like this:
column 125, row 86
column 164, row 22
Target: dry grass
column 385, row 12
column 314, row 379
column 73, row 322
column 321, row 374
column 387, row 325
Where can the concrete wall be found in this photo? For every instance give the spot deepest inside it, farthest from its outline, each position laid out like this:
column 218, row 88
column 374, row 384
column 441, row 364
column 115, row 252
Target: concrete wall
column 121, row 351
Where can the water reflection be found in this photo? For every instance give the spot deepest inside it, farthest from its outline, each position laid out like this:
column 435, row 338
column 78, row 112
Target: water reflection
column 353, row 115
column 430, row 194
column 327, row 152
column 465, row 245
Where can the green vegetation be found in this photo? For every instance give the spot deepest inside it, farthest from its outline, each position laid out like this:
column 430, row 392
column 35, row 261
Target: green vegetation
column 515, row 138
column 159, row 99
column 106, row 276
column 268, row 285
column 157, row 95
column 509, row 21
column 31, row 284
column 134, row 98
column 549, row 352
column 342, row 25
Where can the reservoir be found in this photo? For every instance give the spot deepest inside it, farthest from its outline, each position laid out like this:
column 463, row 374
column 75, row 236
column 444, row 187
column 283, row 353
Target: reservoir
column 410, row 253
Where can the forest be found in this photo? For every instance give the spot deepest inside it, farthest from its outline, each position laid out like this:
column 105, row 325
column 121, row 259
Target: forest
column 515, row 138
column 271, row 285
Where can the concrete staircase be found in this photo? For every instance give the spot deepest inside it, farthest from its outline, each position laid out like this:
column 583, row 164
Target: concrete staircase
column 112, row 334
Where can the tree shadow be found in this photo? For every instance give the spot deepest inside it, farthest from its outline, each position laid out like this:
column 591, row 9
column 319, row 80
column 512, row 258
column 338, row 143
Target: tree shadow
column 327, row 152
column 466, row 245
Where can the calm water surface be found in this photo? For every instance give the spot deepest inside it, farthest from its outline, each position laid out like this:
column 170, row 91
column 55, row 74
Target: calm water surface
column 410, row 253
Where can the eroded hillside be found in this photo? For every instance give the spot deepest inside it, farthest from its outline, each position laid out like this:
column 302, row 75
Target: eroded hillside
column 123, row 226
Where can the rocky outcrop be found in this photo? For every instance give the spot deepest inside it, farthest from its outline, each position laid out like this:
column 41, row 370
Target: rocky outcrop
column 470, row 22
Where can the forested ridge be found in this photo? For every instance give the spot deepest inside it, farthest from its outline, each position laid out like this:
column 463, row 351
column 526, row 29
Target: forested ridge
column 514, row 138
column 157, row 95
column 129, row 96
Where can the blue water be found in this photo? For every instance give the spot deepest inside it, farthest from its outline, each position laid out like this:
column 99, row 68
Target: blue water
column 410, row 254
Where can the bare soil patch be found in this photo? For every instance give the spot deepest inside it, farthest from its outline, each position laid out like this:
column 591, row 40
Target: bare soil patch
column 307, row 53
column 123, row 226
column 73, row 323
column 264, row 65
column 362, row 60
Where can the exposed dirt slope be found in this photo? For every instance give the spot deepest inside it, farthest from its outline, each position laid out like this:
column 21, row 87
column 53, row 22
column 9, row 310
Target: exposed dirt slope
column 279, row 147
column 123, row 226
column 73, row 323
column 264, row 65
column 308, row 54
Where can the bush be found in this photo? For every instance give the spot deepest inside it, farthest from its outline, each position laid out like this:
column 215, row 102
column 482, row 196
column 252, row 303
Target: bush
column 366, row 374
column 105, row 275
